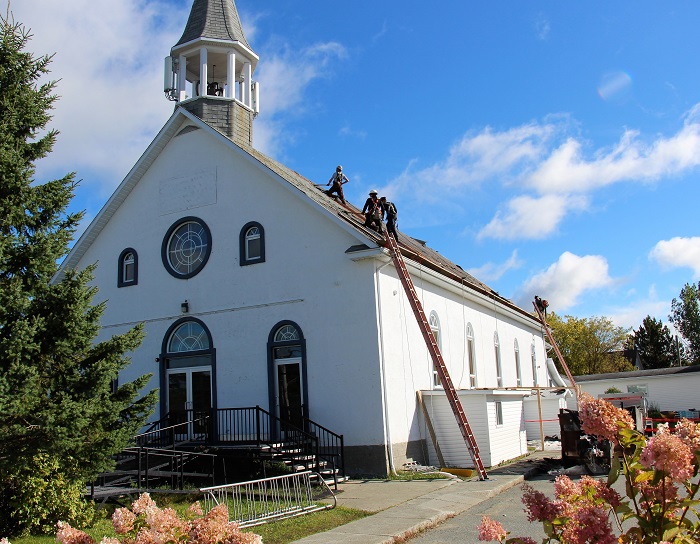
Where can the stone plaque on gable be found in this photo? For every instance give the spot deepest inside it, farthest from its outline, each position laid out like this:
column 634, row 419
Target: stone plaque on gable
column 186, row 192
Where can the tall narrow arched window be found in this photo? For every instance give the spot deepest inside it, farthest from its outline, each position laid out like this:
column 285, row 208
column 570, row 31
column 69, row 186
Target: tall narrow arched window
column 518, row 375
column 127, row 273
column 252, row 244
column 287, row 383
column 497, row 353
column 188, row 377
column 434, row 322
column 534, row 364
column 471, row 355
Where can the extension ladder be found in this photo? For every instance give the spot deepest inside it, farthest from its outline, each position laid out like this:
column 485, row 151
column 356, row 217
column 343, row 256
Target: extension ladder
column 554, row 345
column 438, row 361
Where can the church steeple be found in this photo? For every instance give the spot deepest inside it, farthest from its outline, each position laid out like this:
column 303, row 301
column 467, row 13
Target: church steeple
column 210, row 70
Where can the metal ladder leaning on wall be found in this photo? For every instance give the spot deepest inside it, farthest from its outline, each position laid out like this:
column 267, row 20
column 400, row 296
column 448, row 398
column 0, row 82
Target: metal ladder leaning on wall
column 438, row 361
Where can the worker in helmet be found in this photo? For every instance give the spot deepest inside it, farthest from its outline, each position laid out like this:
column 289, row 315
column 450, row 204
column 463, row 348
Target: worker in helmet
column 338, row 179
column 374, row 212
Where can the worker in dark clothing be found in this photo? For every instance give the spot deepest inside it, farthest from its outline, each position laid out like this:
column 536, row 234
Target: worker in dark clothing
column 338, row 180
column 374, row 212
column 391, row 215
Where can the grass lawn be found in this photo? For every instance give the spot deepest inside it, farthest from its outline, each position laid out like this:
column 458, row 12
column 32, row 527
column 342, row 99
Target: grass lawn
column 279, row 532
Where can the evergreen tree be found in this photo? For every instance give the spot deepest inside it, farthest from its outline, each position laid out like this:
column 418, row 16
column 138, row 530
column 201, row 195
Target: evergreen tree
column 655, row 344
column 60, row 412
column 685, row 316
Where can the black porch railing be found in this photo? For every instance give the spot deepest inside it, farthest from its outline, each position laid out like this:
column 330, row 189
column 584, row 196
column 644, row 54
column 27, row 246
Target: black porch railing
column 249, row 426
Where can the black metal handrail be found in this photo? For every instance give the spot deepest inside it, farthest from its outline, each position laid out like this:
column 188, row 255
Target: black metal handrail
column 252, row 425
column 190, row 427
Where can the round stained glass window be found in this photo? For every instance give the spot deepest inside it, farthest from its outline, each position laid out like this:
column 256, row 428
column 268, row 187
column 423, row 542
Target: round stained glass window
column 186, row 247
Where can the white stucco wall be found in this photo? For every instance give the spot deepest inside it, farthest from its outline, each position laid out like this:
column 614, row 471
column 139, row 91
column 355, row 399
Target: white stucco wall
column 409, row 367
column 353, row 344
column 307, row 278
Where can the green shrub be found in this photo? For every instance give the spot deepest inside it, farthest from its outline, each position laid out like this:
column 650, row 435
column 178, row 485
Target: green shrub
column 37, row 494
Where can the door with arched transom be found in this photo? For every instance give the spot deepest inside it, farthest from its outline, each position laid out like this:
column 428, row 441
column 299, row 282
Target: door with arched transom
column 287, row 374
column 188, row 378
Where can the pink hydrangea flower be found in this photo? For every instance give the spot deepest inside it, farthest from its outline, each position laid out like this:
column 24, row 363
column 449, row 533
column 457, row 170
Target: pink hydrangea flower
column 588, row 525
column 667, row 452
column 109, row 540
column 490, row 529
column 600, row 418
column 538, row 506
column 143, row 503
column 68, row 535
column 689, row 432
column 123, row 520
column 195, row 510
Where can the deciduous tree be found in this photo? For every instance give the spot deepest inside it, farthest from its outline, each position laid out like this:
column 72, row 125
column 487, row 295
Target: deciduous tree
column 590, row 345
column 60, row 413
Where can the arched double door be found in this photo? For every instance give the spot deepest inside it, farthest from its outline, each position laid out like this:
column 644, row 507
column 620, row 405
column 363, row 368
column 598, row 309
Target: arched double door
column 187, row 377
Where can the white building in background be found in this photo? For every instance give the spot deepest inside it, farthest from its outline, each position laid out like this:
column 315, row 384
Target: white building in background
column 672, row 389
column 257, row 289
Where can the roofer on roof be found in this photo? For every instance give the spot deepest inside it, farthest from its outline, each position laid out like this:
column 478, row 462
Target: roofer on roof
column 391, row 215
column 338, row 179
column 374, row 212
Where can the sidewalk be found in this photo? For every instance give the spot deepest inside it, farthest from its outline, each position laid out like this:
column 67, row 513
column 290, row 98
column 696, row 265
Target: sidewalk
column 406, row 507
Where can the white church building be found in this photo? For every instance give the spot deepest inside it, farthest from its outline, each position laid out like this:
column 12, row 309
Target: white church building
column 292, row 307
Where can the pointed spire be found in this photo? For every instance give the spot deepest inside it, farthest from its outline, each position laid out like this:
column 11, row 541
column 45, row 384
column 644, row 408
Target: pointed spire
column 216, row 19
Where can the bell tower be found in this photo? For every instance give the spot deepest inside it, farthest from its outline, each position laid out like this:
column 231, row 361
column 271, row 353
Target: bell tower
column 210, row 70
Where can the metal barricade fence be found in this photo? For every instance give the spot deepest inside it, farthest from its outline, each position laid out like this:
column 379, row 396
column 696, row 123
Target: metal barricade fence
column 269, row 499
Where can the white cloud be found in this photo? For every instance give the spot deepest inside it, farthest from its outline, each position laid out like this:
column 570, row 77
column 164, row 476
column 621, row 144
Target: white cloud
column 542, row 27
column 566, row 170
column 477, row 157
column 633, row 315
column 494, row 271
column 551, row 166
column 531, row 217
column 109, row 58
column 677, row 253
column 284, row 77
column 614, row 85
column 566, row 280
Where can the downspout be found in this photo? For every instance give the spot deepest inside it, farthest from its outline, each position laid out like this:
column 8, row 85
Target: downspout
column 385, row 404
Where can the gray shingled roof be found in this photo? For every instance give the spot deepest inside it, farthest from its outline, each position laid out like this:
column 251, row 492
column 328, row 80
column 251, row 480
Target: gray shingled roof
column 414, row 249
column 216, row 19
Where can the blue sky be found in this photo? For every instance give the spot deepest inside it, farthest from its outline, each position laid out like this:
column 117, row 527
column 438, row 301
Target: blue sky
column 549, row 148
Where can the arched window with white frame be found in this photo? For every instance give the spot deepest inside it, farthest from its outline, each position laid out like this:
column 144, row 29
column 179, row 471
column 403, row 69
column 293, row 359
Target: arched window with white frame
column 518, row 372
column 497, row 353
column 471, row 355
column 434, row 322
column 534, row 364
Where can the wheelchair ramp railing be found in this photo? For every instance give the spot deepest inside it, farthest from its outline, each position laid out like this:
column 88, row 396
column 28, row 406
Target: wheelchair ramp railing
column 270, row 499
